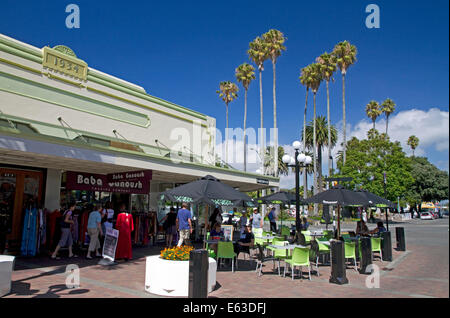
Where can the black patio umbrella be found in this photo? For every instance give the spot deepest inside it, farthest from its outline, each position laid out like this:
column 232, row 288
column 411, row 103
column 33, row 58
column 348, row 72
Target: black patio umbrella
column 339, row 196
column 208, row 190
column 281, row 197
column 377, row 201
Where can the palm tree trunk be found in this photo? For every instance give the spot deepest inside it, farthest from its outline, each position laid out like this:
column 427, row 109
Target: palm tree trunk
column 387, row 124
column 329, row 130
column 261, row 141
column 226, row 138
column 373, row 124
column 319, row 159
column 245, row 126
column 343, row 118
column 305, row 174
column 315, row 154
column 275, row 133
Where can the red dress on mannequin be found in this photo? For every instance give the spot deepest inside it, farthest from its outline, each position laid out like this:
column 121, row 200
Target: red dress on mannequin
column 125, row 226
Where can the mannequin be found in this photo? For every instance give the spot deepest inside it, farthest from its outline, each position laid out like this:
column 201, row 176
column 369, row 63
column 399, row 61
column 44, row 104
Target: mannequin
column 125, row 226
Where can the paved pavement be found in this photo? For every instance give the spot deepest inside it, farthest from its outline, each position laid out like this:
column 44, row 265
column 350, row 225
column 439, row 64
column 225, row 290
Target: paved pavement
column 421, row 271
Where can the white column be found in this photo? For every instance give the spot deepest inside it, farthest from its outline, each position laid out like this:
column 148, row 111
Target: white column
column 52, row 190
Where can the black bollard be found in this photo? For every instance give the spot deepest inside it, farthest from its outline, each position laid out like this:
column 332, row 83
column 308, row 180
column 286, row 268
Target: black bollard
column 338, row 268
column 400, row 236
column 365, row 260
column 386, row 246
column 198, row 274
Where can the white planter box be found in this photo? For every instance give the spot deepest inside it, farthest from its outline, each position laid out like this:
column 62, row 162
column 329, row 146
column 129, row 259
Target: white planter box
column 171, row 278
column 6, row 269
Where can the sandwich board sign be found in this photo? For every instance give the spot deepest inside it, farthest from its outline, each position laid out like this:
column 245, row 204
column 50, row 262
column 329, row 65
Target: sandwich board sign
column 109, row 247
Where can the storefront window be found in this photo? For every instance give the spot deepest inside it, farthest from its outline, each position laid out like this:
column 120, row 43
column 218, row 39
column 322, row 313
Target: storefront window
column 139, row 203
column 7, row 196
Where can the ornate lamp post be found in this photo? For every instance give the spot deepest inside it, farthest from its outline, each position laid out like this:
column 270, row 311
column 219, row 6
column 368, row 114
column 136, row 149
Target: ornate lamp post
column 300, row 160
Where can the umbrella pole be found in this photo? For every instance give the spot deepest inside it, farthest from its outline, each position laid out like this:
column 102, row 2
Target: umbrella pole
column 387, row 220
column 339, row 222
column 206, row 222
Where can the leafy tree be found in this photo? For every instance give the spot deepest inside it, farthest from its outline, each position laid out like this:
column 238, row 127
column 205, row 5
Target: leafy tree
column 245, row 74
column 388, row 107
column 373, row 111
column 227, row 92
column 413, row 142
column 368, row 159
column 345, row 54
column 430, row 183
column 328, row 67
column 274, row 42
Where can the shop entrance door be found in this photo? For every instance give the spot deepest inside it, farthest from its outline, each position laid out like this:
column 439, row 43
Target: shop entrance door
column 19, row 190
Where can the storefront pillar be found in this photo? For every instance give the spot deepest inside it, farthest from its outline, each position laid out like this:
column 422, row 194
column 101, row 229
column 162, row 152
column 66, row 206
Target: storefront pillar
column 52, row 189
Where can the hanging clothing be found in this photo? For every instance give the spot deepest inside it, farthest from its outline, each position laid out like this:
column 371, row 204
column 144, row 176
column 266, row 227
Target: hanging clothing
column 29, row 233
column 52, row 228
column 125, row 226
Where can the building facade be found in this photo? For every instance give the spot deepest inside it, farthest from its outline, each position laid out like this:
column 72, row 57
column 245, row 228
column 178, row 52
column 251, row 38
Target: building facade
column 60, row 117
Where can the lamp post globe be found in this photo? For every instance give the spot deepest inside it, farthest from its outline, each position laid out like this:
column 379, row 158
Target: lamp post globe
column 286, row 159
column 301, row 158
column 296, row 144
column 292, row 161
column 308, row 160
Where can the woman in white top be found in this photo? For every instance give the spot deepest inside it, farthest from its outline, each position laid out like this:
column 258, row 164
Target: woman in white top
column 109, row 215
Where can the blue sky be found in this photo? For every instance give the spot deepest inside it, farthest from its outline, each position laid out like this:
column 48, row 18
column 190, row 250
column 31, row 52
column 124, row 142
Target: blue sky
column 181, row 50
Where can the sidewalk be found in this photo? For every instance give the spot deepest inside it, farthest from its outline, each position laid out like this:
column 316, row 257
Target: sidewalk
column 421, row 271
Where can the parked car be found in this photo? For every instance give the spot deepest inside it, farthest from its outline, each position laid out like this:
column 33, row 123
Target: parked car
column 426, row 216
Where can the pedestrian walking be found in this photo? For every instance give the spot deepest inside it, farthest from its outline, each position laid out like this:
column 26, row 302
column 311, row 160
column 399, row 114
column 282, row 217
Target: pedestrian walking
column 94, row 228
column 184, row 224
column 66, row 232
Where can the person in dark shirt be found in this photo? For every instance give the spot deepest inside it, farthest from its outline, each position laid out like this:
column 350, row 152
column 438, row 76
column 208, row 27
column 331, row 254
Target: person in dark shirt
column 247, row 240
column 379, row 229
column 215, row 234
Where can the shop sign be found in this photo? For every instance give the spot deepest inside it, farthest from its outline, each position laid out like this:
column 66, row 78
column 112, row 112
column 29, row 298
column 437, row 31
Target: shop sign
column 262, row 181
column 137, row 182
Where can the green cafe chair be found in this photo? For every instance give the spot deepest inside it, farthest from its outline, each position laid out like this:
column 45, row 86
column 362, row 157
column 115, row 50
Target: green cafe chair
column 350, row 252
column 285, row 231
column 226, row 250
column 274, row 242
column 280, row 254
column 328, row 234
column 300, row 257
column 376, row 245
column 324, row 249
column 307, row 235
column 211, row 252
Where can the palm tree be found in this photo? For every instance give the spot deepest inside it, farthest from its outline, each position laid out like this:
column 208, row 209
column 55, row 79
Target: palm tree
column 328, row 67
column 373, row 111
column 413, row 142
column 345, row 54
column 322, row 139
column 228, row 92
column 305, row 80
column 388, row 107
column 274, row 41
column 258, row 54
column 245, row 74
column 315, row 80
column 282, row 168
